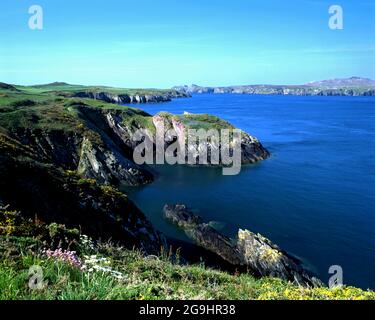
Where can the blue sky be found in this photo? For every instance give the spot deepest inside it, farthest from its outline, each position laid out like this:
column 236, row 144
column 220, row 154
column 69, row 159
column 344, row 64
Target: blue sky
column 147, row 43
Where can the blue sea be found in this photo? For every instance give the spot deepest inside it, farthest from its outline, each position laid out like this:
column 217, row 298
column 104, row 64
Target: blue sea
column 315, row 196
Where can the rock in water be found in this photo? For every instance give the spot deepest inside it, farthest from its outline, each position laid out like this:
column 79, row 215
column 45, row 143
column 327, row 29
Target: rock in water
column 253, row 251
column 217, row 225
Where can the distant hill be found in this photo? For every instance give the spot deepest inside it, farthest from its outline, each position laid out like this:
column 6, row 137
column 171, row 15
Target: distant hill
column 52, row 84
column 341, row 83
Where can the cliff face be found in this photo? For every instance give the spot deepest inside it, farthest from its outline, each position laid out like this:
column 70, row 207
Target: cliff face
column 126, row 98
column 88, row 150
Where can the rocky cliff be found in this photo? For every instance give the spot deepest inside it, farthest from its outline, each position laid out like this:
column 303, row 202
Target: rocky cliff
column 251, row 149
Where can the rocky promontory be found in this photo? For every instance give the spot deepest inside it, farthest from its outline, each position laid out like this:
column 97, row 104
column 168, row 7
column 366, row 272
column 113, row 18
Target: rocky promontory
column 253, row 251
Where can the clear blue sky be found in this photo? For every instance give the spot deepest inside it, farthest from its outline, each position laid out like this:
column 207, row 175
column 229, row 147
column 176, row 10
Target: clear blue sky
column 149, row 43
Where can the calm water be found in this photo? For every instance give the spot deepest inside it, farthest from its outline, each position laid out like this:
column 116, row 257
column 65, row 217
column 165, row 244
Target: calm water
column 315, row 197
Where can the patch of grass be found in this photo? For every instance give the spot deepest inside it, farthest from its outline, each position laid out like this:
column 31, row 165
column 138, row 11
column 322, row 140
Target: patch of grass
column 139, row 121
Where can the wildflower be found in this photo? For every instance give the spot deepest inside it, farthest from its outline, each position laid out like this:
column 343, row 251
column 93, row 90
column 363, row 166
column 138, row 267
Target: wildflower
column 101, row 264
column 69, row 257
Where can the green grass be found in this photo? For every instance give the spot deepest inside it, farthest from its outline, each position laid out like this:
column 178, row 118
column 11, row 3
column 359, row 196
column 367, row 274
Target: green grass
column 144, row 278
column 204, row 121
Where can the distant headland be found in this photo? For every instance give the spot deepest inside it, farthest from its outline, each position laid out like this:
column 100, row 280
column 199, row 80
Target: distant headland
column 354, row 86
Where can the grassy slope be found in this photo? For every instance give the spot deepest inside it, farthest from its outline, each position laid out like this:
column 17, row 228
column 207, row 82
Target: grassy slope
column 143, row 278
column 37, row 108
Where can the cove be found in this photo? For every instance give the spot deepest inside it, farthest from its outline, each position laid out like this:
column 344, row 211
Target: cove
column 314, row 197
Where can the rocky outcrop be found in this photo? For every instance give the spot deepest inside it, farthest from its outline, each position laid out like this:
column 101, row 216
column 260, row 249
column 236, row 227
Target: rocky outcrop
column 252, row 150
column 253, row 251
column 116, row 124
column 260, row 254
column 109, row 166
